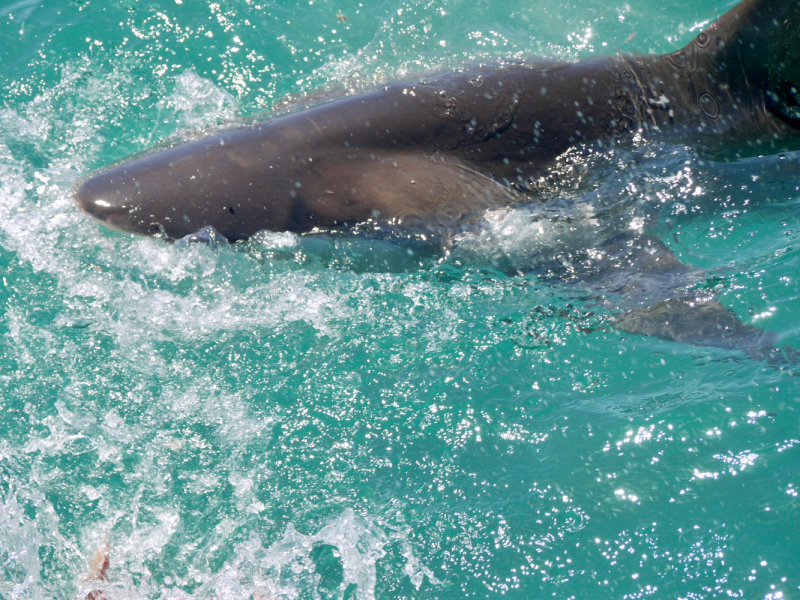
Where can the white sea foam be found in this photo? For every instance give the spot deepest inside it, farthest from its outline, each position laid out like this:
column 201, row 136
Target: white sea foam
column 28, row 531
column 20, row 576
column 12, row 185
column 283, row 240
column 198, row 102
column 524, row 238
column 40, row 223
column 286, row 569
column 143, row 314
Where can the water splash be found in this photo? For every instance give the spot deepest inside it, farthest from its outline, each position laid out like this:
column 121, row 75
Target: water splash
column 198, row 102
column 340, row 558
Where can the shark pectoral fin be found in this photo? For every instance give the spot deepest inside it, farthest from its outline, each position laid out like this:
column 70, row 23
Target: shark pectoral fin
column 645, row 270
column 429, row 192
column 704, row 321
column 636, row 270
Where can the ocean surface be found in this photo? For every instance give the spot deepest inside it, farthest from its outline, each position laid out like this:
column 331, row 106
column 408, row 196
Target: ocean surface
column 316, row 417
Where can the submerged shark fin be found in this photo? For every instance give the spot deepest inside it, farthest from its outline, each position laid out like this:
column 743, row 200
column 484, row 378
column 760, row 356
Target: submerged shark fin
column 703, row 321
column 633, row 270
column 644, row 279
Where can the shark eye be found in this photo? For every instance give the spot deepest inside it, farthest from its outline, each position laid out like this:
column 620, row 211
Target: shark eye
column 790, row 94
column 783, row 98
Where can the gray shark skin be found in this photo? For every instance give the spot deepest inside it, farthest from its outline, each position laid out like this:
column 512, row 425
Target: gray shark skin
column 433, row 154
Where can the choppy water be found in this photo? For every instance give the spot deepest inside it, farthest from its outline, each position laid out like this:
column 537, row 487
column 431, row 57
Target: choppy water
column 322, row 418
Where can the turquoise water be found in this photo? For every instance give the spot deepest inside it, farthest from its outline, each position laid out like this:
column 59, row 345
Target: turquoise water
column 343, row 418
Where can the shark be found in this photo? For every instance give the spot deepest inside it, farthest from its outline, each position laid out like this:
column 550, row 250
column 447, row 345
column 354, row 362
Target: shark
column 436, row 154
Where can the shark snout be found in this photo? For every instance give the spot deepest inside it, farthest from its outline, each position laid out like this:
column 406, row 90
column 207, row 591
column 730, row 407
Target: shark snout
column 125, row 203
column 106, row 200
